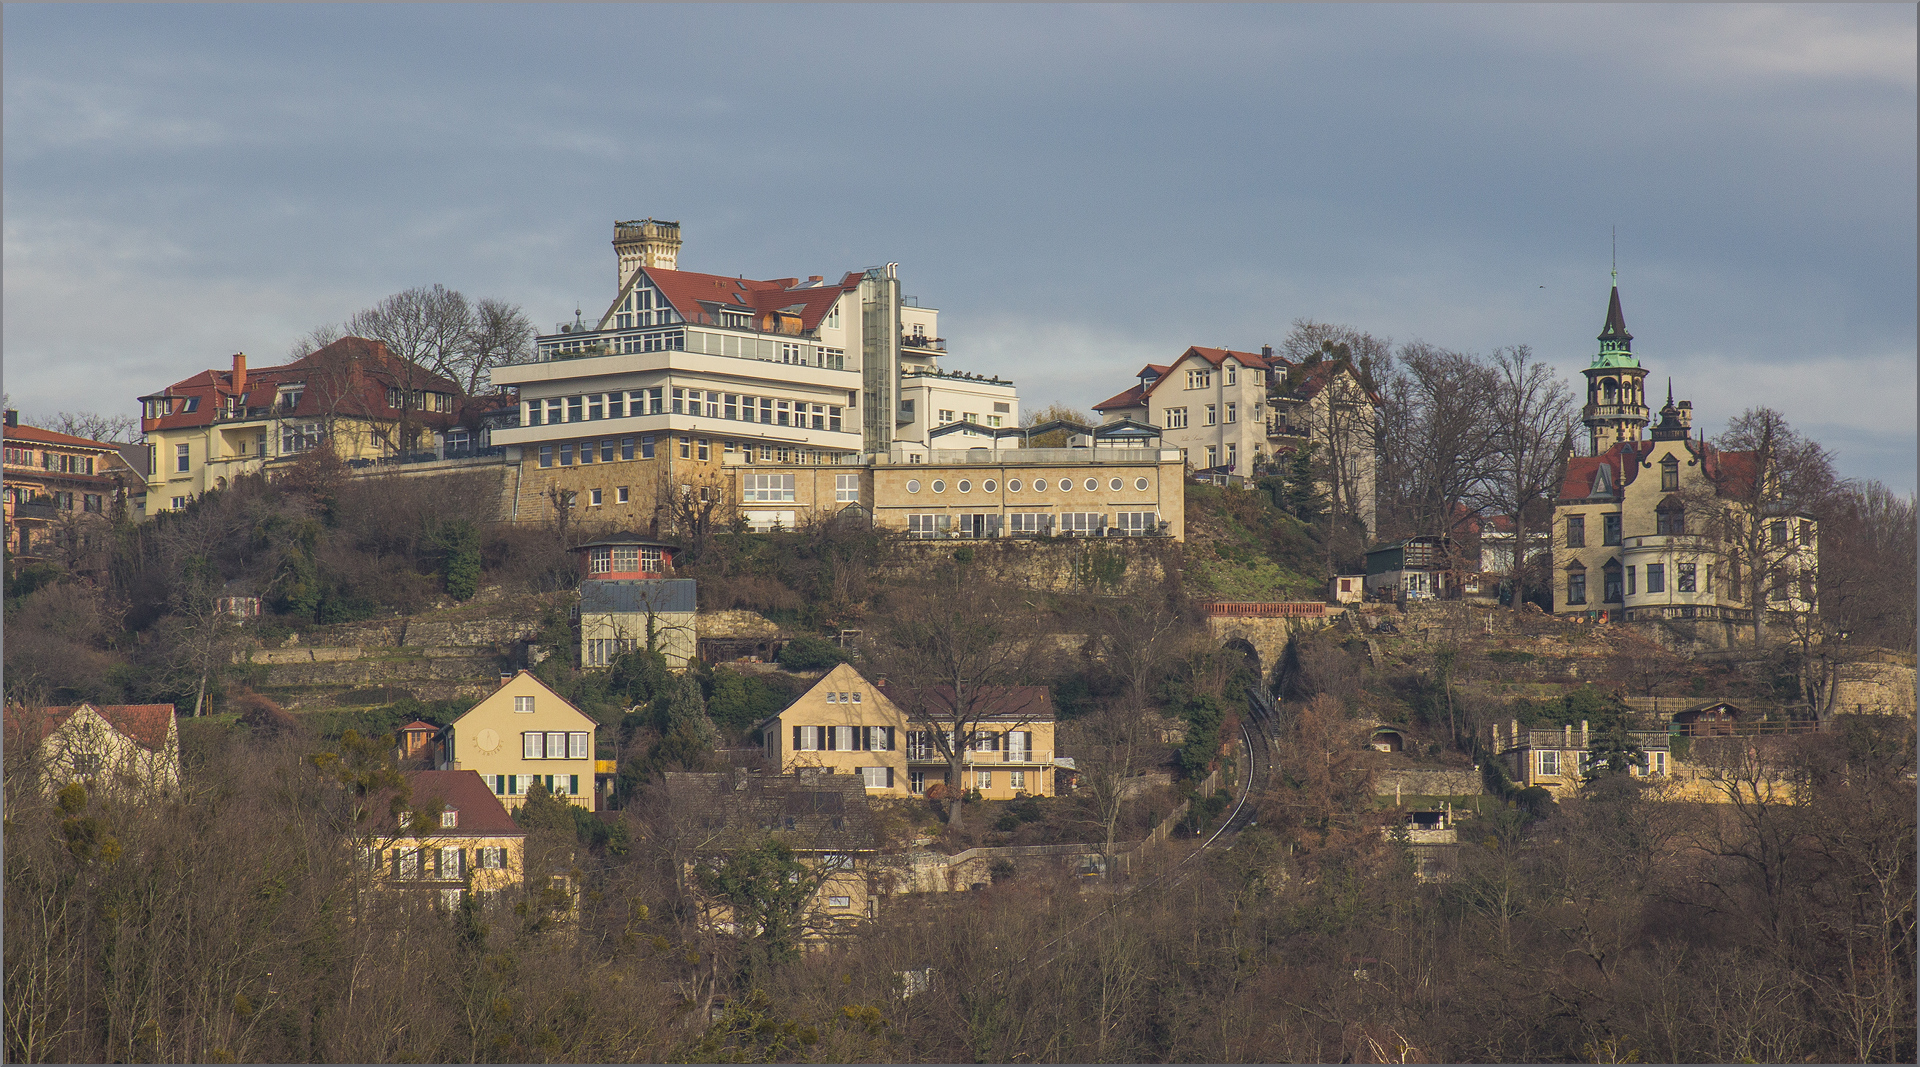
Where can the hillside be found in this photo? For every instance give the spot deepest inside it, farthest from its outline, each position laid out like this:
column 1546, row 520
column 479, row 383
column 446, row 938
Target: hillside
column 1241, row 547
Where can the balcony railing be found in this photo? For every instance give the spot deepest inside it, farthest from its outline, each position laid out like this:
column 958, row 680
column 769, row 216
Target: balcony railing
column 914, row 340
column 1028, row 757
column 1279, row 427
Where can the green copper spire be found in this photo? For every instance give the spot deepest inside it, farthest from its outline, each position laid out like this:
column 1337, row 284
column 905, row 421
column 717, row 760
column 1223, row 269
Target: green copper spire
column 1616, row 344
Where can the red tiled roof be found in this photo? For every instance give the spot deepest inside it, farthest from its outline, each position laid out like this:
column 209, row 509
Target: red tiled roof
column 49, row 437
column 686, row 290
column 480, row 812
column 348, row 377
column 1212, row 357
column 1132, row 398
column 418, row 725
column 144, row 724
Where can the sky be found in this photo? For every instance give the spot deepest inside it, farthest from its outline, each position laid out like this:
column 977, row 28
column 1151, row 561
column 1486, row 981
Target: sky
column 1079, row 189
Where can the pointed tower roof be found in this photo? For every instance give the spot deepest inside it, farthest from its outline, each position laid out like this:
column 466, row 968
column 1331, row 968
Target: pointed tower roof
column 1616, row 344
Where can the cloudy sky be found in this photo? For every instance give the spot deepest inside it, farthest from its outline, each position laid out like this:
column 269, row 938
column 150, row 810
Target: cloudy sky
column 1079, row 189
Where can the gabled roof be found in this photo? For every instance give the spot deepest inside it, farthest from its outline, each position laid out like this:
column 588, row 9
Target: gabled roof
column 348, row 377
column 1133, row 397
column 1005, row 703
column 694, row 295
column 38, row 436
column 810, row 813
column 146, row 725
column 1317, row 376
column 464, row 792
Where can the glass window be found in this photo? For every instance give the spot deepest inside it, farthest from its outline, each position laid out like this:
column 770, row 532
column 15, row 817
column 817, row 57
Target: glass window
column 1631, row 590
column 586, row 451
column 523, row 705
column 1576, row 531
column 1610, row 529
column 1669, row 475
column 1656, row 577
column 626, row 449
column 599, row 560
column 1549, row 764
column 1683, row 577
column 1577, row 587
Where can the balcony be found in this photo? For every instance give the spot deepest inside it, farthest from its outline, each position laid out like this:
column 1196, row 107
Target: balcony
column 923, row 343
column 1029, row 758
column 1278, row 426
column 1616, row 411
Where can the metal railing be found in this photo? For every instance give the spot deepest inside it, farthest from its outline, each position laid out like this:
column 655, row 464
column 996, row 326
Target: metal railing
column 1286, row 609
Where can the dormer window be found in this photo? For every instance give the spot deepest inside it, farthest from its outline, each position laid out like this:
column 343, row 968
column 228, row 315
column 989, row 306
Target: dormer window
column 1669, row 474
column 449, row 820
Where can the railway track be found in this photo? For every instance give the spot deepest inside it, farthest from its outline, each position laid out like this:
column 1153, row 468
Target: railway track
column 1256, row 735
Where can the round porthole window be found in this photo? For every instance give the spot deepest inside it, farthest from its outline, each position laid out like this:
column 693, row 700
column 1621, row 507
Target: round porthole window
column 1039, row 485
column 1140, row 484
column 939, row 486
column 1013, row 486
column 913, row 485
column 1115, row 485
column 987, row 486
column 965, row 486
column 1093, row 485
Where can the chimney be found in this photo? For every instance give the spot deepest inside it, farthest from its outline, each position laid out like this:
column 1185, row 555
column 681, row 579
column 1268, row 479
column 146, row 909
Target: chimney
column 13, row 417
column 239, row 373
column 1267, row 351
column 816, row 278
column 505, row 677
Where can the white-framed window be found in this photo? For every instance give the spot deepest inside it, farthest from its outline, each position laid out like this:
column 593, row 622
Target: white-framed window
column 1029, row 522
column 406, row 862
column 1019, row 746
column 1210, row 415
column 983, row 780
column 767, row 488
column 1137, row 523
column 579, row 744
column 1017, row 779
column 1082, row 523
column 946, row 415
column 1547, row 763
column 876, row 777
column 620, row 495
column 1230, row 369
column 533, row 745
column 523, row 705
column 846, row 488
column 985, row 741
column 843, row 739
column 840, row 902
column 652, row 561
column 1233, row 411
column 916, row 781
column 1199, row 379
column 449, row 820
column 626, row 558
column 924, row 526
column 879, row 738
column 593, row 498
column 806, row 739
column 599, row 560
column 1176, row 418
column 556, row 744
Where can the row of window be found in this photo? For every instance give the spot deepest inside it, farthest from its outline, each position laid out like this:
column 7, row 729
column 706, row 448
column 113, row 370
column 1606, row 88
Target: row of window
column 739, row 407
column 602, row 651
column 1036, row 523
column 625, row 559
column 1547, row 763
column 843, row 738
column 92, row 503
column 947, row 415
column 1617, row 581
column 57, row 462
column 780, row 488
column 515, row 785
column 556, row 744
column 606, row 450
column 439, row 864
column 417, row 399
column 1014, row 485
column 1177, row 418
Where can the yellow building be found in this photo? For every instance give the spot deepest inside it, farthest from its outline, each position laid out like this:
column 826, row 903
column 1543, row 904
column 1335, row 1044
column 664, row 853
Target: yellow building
column 470, row 843
column 1556, row 760
column 353, row 396
column 522, row 733
column 845, row 725
column 1117, row 482
column 129, row 750
column 823, row 819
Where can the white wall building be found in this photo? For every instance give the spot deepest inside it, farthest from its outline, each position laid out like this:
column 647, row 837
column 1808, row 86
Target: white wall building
column 815, row 370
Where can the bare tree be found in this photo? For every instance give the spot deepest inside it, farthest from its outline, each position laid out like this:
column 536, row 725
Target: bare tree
column 1750, row 508
column 1867, row 567
column 1135, row 642
column 949, row 649
column 1532, row 437
column 92, row 426
column 314, row 340
column 1437, row 436
column 500, row 335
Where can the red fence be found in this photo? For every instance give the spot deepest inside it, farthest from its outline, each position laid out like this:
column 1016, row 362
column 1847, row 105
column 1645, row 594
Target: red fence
column 1284, row 609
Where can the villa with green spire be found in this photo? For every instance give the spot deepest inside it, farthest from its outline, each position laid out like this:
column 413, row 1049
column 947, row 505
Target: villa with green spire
column 1616, row 408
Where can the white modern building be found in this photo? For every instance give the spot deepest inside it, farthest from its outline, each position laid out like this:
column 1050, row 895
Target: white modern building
column 779, row 370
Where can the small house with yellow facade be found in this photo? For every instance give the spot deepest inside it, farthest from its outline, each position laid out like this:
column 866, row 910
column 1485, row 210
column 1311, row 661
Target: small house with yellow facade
column 847, row 725
column 470, row 843
column 522, row 733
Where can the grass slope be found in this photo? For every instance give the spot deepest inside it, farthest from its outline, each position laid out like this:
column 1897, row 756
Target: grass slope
column 1241, row 547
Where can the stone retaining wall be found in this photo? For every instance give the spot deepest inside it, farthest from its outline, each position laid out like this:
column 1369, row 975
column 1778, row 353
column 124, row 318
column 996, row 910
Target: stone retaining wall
column 1443, row 783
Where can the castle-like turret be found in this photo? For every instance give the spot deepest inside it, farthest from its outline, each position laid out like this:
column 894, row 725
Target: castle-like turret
column 1616, row 384
column 645, row 243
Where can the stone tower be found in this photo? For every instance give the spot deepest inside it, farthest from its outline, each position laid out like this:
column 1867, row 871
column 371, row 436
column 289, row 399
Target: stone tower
column 645, row 243
column 1616, row 385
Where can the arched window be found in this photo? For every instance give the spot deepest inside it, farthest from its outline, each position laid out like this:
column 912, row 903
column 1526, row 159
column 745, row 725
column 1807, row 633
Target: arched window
column 1669, row 474
column 1611, row 582
column 1670, row 517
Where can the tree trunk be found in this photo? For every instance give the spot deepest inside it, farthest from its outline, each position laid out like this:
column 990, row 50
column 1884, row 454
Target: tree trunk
column 956, row 771
column 1519, row 559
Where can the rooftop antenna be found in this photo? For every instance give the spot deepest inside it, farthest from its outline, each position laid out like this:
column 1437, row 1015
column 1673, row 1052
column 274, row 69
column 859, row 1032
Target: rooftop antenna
column 1615, row 232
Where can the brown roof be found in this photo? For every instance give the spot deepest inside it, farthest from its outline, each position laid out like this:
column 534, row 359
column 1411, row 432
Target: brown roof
column 813, row 812
column 348, row 377
column 1005, row 703
column 144, row 724
column 50, row 437
column 691, row 293
column 465, row 792
column 1732, row 472
column 418, row 725
column 1132, row 398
